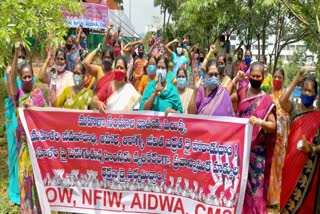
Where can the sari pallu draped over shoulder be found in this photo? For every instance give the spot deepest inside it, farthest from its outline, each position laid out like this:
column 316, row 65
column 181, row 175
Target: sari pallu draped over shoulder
column 262, row 147
column 300, row 173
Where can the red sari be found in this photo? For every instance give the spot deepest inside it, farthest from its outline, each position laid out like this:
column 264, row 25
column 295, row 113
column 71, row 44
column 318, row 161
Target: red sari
column 300, row 173
column 262, row 146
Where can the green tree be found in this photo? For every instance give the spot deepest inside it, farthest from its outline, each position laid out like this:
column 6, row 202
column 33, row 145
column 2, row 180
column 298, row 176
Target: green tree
column 293, row 67
column 22, row 20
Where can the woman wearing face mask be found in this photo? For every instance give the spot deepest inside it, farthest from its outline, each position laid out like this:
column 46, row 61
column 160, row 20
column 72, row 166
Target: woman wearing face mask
column 58, row 78
column 74, row 97
column 139, row 63
column 281, row 142
column 11, row 128
column 185, row 93
column 103, row 73
column 254, row 104
column 210, row 99
column 118, row 95
column 72, row 53
column 267, row 81
column 161, row 95
column 151, row 74
column 26, row 95
column 247, row 61
column 300, row 186
column 178, row 57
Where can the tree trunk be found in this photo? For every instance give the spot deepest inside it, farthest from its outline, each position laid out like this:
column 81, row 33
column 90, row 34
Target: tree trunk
column 264, row 36
column 164, row 22
column 258, row 38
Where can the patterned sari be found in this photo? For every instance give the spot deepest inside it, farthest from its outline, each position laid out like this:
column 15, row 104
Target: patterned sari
column 279, row 151
column 80, row 100
column 301, row 171
column 262, row 146
column 29, row 202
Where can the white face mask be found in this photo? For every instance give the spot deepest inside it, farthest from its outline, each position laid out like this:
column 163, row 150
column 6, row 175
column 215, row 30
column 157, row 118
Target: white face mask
column 20, row 61
column 221, row 44
column 162, row 73
column 179, row 51
column 60, row 68
column 196, row 56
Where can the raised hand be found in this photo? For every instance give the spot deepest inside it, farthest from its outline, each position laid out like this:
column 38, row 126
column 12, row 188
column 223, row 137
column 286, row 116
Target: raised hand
column 213, row 48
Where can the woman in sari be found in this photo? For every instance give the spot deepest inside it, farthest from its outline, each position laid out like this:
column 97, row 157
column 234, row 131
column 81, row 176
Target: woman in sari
column 161, row 95
column 118, row 94
column 301, row 169
column 138, row 67
column 151, row 70
column 267, row 81
column 259, row 108
column 221, row 64
column 11, row 128
column 74, row 97
column 211, row 99
column 281, row 142
column 58, row 77
column 102, row 74
column 185, row 92
column 26, row 96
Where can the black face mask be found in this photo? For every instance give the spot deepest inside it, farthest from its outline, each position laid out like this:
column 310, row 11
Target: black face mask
column 239, row 57
column 107, row 63
column 69, row 46
column 255, row 83
column 221, row 68
column 201, row 59
column 140, row 54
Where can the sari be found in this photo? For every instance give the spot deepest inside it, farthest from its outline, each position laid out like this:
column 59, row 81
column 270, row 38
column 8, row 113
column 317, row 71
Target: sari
column 217, row 103
column 167, row 98
column 12, row 161
column 262, row 147
column 300, row 172
column 138, row 69
column 104, row 80
column 185, row 99
column 143, row 84
column 225, row 81
column 29, row 202
column 64, row 80
column 279, row 151
column 124, row 99
column 80, row 100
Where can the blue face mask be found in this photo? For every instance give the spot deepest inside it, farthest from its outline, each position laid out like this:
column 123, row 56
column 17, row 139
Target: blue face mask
column 152, row 69
column 182, row 82
column 77, row 79
column 247, row 59
column 84, row 43
column 212, row 82
column 306, row 100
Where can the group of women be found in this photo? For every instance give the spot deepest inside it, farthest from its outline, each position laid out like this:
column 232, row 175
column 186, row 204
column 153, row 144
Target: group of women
column 127, row 81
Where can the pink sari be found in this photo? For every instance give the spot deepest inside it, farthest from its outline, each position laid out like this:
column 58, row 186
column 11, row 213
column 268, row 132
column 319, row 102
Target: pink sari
column 262, row 146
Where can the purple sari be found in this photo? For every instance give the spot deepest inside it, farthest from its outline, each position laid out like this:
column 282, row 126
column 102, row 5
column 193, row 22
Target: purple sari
column 218, row 103
column 262, row 147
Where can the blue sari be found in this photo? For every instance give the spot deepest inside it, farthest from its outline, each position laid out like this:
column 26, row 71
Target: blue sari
column 12, row 161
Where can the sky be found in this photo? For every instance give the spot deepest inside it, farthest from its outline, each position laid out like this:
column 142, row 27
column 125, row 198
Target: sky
column 142, row 12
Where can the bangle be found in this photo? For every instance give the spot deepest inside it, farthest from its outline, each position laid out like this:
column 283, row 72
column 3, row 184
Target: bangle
column 260, row 123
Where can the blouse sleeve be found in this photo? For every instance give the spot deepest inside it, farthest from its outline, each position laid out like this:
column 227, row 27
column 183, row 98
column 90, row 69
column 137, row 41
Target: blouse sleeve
column 147, row 94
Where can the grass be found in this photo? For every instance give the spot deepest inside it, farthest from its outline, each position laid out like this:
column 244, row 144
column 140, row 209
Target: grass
column 4, row 206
